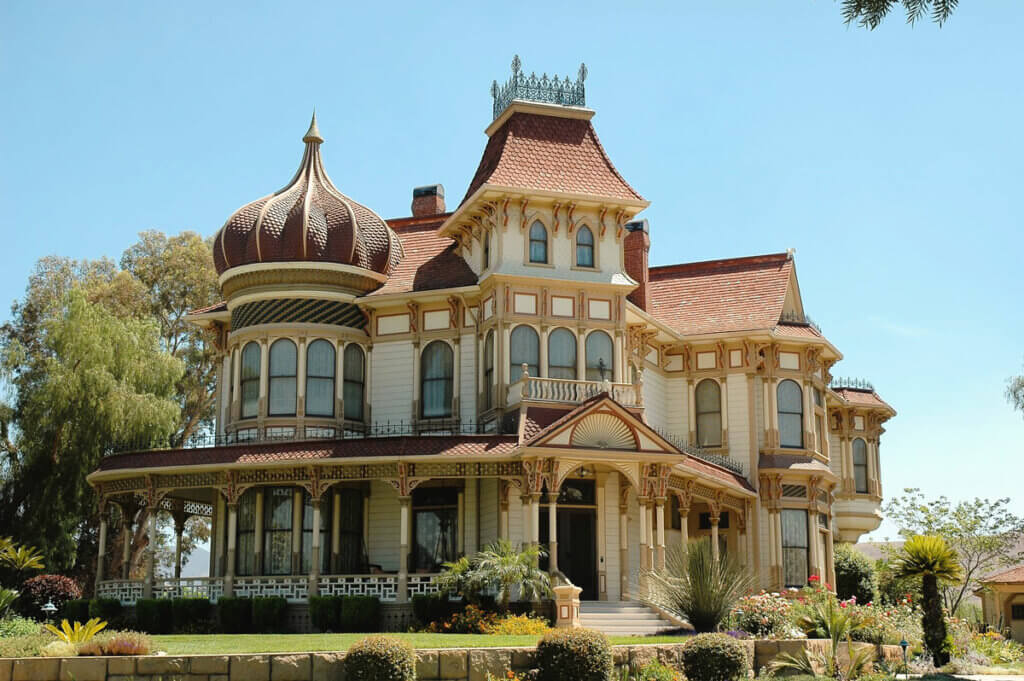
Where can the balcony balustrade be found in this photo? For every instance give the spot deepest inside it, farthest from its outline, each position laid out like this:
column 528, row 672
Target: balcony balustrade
column 567, row 391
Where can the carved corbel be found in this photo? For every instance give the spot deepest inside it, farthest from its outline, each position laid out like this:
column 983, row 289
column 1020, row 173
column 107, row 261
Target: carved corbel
column 569, row 224
column 554, row 211
column 522, row 213
column 414, row 316
column 453, row 312
column 600, row 221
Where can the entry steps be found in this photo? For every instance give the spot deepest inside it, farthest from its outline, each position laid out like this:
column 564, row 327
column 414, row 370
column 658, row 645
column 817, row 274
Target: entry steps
column 622, row 618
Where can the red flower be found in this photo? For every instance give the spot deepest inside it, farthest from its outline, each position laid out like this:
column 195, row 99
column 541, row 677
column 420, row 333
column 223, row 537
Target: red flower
column 813, row 578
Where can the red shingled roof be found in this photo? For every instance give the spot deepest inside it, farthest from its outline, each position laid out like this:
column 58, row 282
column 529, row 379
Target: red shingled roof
column 862, row 398
column 1011, row 576
column 708, row 469
column 549, row 153
column 796, row 331
column 738, row 294
column 274, row 452
column 430, row 260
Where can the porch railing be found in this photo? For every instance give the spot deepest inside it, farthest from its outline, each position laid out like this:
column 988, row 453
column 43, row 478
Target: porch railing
column 295, row 588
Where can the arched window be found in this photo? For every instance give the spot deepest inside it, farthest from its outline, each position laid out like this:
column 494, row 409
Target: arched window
column 489, row 371
column 538, row 243
column 600, row 361
column 860, row 466
column 250, row 380
column 584, row 247
column 791, row 414
column 708, row 398
column 320, row 378
column 438, row 366
column 562, row 354
column 278, row 504
column 487, row 250
column 354, row 383
column 524, row 348
column 283, row 362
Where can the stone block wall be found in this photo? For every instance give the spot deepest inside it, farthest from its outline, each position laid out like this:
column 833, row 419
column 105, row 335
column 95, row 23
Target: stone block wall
column 445, row 664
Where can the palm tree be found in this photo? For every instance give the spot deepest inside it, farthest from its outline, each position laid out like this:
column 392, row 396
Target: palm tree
column 696, row 587
column 931, row 559
column 504, row 567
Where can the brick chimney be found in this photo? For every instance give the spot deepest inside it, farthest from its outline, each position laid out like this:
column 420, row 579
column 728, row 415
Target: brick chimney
column 636, row 246
column 428, row 200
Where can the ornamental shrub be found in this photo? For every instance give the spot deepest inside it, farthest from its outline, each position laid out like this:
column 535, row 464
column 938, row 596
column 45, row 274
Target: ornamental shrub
column 109, row 610
column 325, row 613
column 76, row 610
column 154, row 615
column 234, row 615
column 19, row 626
column 268, row 615
column 191, row 615
column 436, row 607
column 763, row 615
column 574, row 655
column 518, row 625
column 42, row 589
column 380, row 658
column 855, row 575
column 714, row 657
column 359, row 614
column 656, row 671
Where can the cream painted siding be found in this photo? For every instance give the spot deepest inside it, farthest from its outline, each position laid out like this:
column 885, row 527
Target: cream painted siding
column 611, row 536
column 515, row 518
column 489, row 509
column 766, row 567
column 467, row 378
column 654, row 398
column 675, row 407
column 836, row 459
column 759, row 425
column 392, row 368
column 382, row 542
column 739, row 433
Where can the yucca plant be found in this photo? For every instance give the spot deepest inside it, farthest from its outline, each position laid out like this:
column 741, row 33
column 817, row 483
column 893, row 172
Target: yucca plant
column 826, row 618
column 506, row 568
column 78, row 632
column 459, row 578
column 933, row 561
column 697, row 588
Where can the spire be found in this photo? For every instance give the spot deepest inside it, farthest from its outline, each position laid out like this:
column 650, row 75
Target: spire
column 313, row 134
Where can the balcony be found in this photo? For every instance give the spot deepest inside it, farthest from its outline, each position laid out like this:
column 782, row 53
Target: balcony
column 567, row 391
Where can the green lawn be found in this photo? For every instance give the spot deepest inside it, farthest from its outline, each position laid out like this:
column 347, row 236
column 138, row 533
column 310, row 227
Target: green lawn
column 186, row 644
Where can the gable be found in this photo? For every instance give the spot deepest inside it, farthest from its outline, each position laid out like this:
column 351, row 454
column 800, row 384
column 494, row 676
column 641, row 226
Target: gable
column 599, row 424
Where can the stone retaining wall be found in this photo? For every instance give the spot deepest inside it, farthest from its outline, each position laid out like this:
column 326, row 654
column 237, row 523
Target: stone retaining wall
column 446, row 664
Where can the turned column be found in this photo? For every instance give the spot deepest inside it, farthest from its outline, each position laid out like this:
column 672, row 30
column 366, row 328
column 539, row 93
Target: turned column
column 643, row 533
column 659, row 514
column 314, row 552
column 552, row 532
column 147, row 587
column 229, row 567
column 405, row 528
column 101, row 552
column 179, row 529
column 623, row 543
column 714, row 536
column 684, row 528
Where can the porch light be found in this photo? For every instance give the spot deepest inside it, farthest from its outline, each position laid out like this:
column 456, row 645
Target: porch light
column 49, row 609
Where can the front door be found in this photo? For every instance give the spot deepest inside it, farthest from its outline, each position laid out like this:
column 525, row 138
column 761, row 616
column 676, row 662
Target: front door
column 577, row 548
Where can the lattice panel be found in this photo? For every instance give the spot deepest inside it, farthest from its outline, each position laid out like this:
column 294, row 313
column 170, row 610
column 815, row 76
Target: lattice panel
column 422, row 584
column 189, row 587
column 384, row 587
column 187, row 480
column 126, row 591
column 295, row 589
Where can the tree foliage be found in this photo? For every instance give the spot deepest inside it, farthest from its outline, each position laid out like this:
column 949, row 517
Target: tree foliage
column 932, row 560
column 985, row 535
column 855, row 574
column 870, row 13
column 1015, row 392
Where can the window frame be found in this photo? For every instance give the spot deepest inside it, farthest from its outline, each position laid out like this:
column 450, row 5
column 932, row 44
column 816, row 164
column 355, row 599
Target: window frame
column 271, row 530
column 586, row 357
column 246, row 381
column 347, row 382
column 590, row 246
column 271, row 376
column 451, row 513
column 790, row 414
column 856, row 466
column 516, row 368
column 447, row 411
column 789, row 550
column 531, row 240
column 488, row 396
column 560, row 332
column 332, row 377
column 698, row 413
column 245, row 560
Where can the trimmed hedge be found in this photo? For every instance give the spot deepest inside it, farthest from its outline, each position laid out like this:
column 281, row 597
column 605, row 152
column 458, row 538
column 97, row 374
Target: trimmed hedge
column 380, row 658
column 359, row 613
column 325, row 613
column 191, row 615
column 576, row 655
column 714, row 657
column 435, row 607
column 110, row 611
column 154, row 615
column 76, row 610
column 268, row 615
column 234, row 615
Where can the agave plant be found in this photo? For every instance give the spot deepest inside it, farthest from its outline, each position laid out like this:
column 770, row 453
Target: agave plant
column 7, row 598
column 505, row 568
column 931, row 559
column 697, row 587
column 828, row 619
column 78, row 632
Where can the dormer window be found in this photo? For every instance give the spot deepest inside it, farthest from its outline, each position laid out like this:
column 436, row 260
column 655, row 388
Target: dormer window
column 538, row 243
column 584, row 247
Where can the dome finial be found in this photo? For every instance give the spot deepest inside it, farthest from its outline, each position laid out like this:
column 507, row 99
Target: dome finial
column 313, row 134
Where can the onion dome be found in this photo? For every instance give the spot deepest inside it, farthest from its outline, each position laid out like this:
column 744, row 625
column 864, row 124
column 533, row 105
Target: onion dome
column 309, row 220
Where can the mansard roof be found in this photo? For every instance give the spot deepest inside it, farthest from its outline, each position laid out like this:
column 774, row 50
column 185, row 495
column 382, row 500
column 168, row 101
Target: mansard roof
column 539, row 152
column 863, row 398
column 430, row 261
column 737, row 294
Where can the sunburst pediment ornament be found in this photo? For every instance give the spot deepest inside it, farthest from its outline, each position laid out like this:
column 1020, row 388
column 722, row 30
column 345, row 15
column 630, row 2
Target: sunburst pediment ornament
column 603, row 431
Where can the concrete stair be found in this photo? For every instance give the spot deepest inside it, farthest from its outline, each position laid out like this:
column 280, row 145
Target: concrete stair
column 622, row 618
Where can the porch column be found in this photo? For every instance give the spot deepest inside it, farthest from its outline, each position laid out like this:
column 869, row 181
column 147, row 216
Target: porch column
column 623, row 543
column 179, row 529
column 503, row 492
column 296, row 531
column 257, row 544
column 543, row 359
column 101, row 552
column 552, row 532
column 336, row 533
column 147, row 587
column 218, row 545
column 659, row 511
column 535, row 518
column 714, row 536
column 314, row 552
column 643, row 533
column 229, row 567
column 404, row 530
column 126, row 552
column 814, row 537
column 684, row 528
column 650, row 535
column 460, row 515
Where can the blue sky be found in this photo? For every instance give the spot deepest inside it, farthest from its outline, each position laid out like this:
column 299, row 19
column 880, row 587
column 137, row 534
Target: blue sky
column 891, row 160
